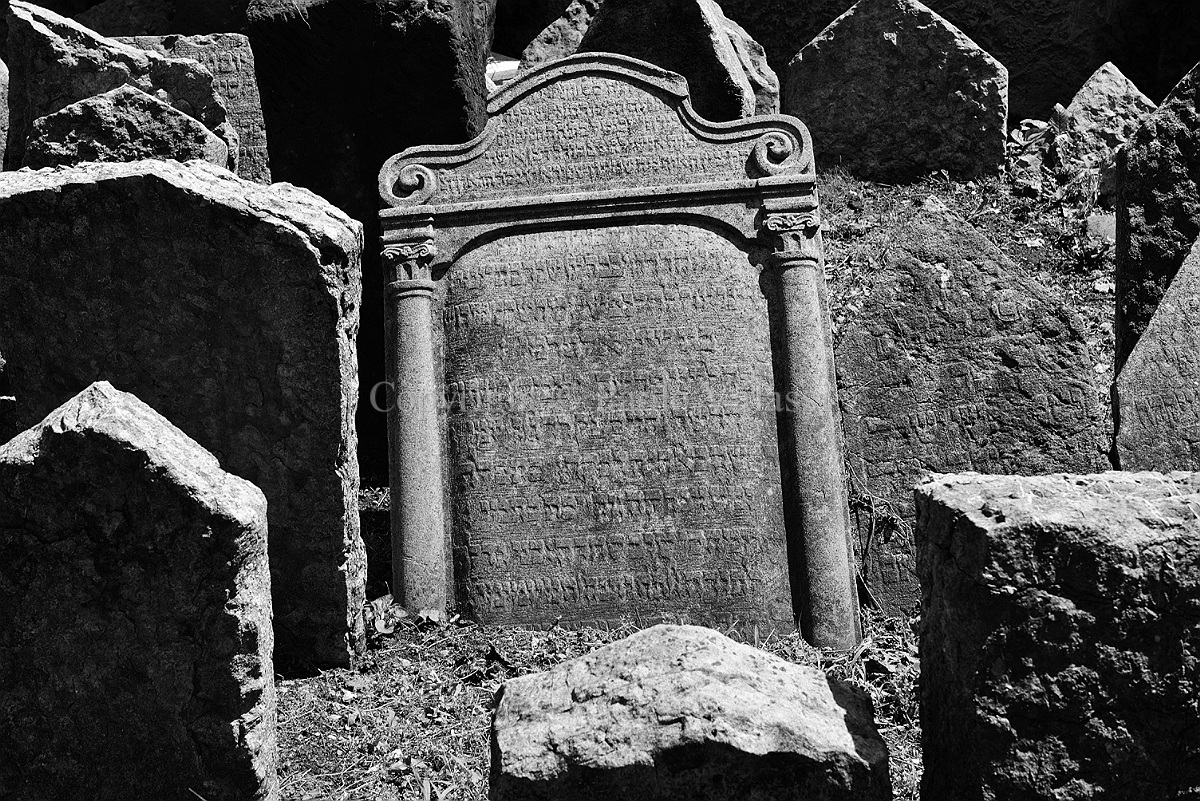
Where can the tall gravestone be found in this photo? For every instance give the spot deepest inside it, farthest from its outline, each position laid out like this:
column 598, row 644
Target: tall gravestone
column 624, row 306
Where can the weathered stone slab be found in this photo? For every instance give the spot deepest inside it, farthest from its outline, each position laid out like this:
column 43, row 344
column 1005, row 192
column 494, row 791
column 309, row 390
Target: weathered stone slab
column 953, row 359
column 135, row 613
column 684, row 712
column 892, row 91
column 726, row 70
column 231, row 61
column 3, row 110
column 124, row 124
column 1158, row 208
column 611, row 347
column 1060, row 627
column 232, row 307
column 1157, row 393
column 55, row 62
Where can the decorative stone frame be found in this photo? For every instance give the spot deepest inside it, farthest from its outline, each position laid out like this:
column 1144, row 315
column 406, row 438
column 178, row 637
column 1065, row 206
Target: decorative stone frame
column 773, row 203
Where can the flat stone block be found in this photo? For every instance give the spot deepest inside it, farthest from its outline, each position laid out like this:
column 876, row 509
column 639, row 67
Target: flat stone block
column 1059, row 656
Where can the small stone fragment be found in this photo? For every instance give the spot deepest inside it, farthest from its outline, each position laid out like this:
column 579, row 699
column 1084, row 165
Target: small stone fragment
column 124, row 124
column 1158, row 390
column 232, row 307
column 229, row 57
column 1060, row 627
column 55, row 62
column 135, row 613
column 893, row 92
column 1158, row 208
column 677, row 712
column 726, row 70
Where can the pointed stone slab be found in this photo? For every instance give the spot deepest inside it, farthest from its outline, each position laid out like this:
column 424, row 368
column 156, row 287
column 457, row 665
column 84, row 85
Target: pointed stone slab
column 1158, row 390
column 1158, row 208
column 55, row 62
column 233, row 308
column 124, row 124
column 135, row 613
column 229, row 57
column 893, row 92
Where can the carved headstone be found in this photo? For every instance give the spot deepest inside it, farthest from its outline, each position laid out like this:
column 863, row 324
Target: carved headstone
column 232, row 307
column 610, row 356
column 952, row 359
column 124, row 124
column 231, row 61
column 135, row 613
column 1158, row 208
column 893, row 92
column 1158, row 390
column 55, row 62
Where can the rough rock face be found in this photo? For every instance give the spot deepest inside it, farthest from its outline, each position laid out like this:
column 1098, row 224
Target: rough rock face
column 1158, row 208
column 124, row 124
column 55, row 62
column 230, row 306
column 1049, row 46
column 684, row 712
column 1157, row 395
column 135, row 613
column 951, row 358
column 3, row 109
column 893, row 92
column 1061, row 627
column 231, row 61
column 1106, row 110
column 693, row 38
column 561, row 38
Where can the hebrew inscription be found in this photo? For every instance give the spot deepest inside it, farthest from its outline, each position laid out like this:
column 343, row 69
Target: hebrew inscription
column 613, row 437
column 619, row 135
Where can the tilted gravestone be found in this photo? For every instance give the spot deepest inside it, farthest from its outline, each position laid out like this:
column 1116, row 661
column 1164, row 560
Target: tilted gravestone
column 135, row 613
column 1157, row 393
column 611, row 349
column 231, row 61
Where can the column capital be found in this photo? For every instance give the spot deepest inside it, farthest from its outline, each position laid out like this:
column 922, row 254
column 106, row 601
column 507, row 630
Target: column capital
column 795, row 236
column 408, row 266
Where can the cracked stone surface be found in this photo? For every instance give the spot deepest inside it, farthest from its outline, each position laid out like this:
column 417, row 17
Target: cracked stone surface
column 684, row 712
column 1060, row 650
column 135, row 613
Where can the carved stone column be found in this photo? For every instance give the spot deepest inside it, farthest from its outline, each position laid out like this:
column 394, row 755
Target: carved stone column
column 829, row 616
column 417, row 515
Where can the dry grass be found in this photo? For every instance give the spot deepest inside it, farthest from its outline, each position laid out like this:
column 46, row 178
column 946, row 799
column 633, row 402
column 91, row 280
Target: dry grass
column 412, row 722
